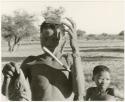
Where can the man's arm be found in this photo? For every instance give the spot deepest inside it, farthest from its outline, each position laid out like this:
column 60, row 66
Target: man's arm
column 25, row 69
column 22, row 91
column 78, row 77
column 14, row 86
column 77, row 70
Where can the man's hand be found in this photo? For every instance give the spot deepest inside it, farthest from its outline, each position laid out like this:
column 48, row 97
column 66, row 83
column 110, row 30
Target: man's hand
column 77, row 70
column 72, row 35
column 71, row 29
column 15, row 86
column 10, row 69
column 61, row 35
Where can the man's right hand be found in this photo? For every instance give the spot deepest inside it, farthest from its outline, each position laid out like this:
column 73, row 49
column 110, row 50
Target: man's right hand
column 10, row 69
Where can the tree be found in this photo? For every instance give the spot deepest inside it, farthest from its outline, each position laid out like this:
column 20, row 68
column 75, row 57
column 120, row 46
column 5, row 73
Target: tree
column 121, row 33
column 15, row 28
column 80, row 34
column 104, row 34
column 91, row 37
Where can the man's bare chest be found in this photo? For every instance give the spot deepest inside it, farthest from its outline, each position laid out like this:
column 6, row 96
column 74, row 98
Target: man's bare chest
column 50, row 73
column 45, row 79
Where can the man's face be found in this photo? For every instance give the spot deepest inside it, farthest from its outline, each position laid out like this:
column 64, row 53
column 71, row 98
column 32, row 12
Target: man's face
column 102, row 80
column 50, row 36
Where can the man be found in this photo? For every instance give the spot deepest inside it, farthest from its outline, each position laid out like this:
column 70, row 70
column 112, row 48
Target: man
column 48, row 80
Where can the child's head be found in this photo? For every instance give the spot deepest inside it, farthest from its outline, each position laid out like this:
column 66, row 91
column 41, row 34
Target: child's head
column 101, row 76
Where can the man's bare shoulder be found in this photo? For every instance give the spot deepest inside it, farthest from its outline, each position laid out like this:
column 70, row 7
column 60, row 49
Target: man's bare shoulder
column 25, row 66
column 30, row 59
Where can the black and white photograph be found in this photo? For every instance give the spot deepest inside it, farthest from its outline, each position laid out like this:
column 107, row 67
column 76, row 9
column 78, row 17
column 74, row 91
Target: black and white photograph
column 62, row 50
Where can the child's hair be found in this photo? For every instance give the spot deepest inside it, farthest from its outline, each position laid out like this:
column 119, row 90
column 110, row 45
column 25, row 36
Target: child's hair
column 100, row 68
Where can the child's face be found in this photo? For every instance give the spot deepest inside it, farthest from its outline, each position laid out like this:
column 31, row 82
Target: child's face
column 102, row 80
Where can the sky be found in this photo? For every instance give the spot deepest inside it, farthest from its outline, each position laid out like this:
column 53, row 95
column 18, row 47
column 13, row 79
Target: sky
column 92, row 16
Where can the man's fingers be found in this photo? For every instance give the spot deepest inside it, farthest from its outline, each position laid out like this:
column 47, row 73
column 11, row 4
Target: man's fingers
column 12, row 63
column 71, row 21
column 8, row 70
column 67, row 25
column 60, row 36
column 9, row 67
column 10, row 73
column 15, row 66
column 69, row 33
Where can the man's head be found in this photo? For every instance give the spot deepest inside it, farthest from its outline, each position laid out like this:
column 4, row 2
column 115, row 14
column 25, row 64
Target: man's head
column 50, row 34
column 101, row 76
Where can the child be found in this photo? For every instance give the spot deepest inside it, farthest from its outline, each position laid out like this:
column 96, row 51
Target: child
column 101, row 77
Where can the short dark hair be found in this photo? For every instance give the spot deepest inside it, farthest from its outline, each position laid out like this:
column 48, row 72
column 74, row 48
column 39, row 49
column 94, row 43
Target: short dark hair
column 100, row 68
